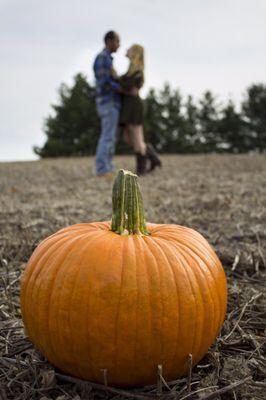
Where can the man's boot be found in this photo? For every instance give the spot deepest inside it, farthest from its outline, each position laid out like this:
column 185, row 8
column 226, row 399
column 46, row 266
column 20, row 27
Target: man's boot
column 153, row 157
column 141, row 161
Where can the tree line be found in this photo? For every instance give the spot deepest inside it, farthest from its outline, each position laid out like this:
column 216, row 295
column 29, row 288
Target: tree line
column 172, row 124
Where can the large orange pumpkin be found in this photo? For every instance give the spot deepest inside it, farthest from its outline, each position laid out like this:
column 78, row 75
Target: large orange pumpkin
column 124, row 296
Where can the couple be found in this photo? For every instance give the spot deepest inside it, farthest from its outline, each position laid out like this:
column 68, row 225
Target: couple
column 118, row 104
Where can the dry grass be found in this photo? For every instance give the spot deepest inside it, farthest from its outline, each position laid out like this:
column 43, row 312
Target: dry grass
column 223, row 197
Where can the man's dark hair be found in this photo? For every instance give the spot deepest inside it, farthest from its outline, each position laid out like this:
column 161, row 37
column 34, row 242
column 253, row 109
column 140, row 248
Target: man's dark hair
column 111, row 35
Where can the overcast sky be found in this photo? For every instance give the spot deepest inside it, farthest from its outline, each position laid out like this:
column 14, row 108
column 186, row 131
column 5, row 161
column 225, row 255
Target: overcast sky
column 193, row 44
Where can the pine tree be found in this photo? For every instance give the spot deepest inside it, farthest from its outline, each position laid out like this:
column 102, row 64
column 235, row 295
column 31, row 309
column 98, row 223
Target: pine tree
column 172, row 120
column 233, row 132
column 170, row 125
column 153, row 128
column 191, row 126
column 73, row 129
column 254, row 113
column 208, row 123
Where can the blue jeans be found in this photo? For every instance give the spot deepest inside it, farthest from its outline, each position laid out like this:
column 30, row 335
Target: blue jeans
column 109, row 114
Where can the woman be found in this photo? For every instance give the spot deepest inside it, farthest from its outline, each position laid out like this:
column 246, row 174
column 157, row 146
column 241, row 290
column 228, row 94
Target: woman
column 132, row 113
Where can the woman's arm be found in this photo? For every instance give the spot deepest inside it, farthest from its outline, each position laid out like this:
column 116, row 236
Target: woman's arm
column 127, row 82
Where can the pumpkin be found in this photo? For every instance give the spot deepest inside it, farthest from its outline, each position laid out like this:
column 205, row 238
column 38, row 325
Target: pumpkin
column 113, row 300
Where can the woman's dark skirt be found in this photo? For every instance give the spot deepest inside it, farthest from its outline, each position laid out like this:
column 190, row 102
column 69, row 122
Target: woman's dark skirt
column 131, row 110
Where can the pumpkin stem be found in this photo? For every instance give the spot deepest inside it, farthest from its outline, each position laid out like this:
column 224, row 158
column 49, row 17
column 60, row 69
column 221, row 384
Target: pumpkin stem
column 128, row 214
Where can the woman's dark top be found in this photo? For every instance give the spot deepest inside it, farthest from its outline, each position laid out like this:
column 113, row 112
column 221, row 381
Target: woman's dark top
column 131, row 106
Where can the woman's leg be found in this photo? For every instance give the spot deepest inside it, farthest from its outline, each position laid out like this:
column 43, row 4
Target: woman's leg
column 135, row 134
column 143, row 151
column 127, row 136
column 137, row 138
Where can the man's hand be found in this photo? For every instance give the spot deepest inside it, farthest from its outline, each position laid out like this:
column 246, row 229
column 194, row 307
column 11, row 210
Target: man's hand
column 134, row 91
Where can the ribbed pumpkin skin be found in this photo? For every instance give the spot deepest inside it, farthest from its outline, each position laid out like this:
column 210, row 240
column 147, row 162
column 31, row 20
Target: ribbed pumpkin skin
column 93, row 300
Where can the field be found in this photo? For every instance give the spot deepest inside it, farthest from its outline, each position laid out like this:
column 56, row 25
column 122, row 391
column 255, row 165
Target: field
column 223, row 197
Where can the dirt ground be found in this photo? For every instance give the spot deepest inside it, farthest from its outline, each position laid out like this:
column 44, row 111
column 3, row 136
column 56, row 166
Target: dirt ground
column 223, row 197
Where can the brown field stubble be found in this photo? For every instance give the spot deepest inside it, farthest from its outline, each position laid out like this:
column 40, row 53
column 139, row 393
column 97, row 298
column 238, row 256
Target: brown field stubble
column 223, row 197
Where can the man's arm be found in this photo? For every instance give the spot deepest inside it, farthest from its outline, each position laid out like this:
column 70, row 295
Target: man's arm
column 103, row 74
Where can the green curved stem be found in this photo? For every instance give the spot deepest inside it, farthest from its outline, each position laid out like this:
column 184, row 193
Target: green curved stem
column 128, row 214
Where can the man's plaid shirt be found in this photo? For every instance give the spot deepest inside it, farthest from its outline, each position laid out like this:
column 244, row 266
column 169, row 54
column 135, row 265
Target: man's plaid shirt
column 106, row 85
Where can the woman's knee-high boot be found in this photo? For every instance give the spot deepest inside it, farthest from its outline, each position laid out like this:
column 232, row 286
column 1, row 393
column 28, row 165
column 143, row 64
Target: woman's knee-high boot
column 153, row 157
column 141, row 161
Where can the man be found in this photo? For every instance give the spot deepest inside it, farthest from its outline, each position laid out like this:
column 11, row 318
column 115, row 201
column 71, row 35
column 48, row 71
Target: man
column 107, row 103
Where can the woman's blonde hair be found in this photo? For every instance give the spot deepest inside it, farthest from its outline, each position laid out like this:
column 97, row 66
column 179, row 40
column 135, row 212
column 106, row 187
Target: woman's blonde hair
column 136, row 57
